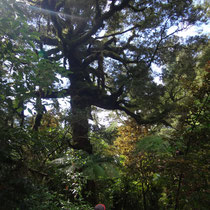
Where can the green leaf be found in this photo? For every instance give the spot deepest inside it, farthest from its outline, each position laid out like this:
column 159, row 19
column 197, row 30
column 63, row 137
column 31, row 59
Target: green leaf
column 98, row 170
column 20, row 109
column 30, row 111
column 3, row 97
column 152, row 144
column 32, row 44
column 15, row 103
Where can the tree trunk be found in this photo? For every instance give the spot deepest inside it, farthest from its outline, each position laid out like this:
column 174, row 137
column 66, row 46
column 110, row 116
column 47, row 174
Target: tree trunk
column 144, row 197
column 80, row 108
column 178, row 192
column 79, row 122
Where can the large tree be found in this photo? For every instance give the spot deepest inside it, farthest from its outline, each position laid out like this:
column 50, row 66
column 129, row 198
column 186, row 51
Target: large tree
column 107, row 49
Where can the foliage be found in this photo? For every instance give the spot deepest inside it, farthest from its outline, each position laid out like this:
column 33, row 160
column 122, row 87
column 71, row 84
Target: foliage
column 128, row 136
column 192, row 149
column 101, row 54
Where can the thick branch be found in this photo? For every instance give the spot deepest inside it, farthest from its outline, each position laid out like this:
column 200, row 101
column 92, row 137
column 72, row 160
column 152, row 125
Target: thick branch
column 112, row 102
column 55, row 94
column 89, row 59
column 53, row 51
column 159, row 118
column 115, row 56
column 99, row 22
column 40, row 110
column 136, row 9
column 49, row 41
column 98, row 10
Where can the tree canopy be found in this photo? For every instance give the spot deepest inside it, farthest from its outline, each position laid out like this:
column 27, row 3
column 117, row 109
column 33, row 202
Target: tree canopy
column 107, row 49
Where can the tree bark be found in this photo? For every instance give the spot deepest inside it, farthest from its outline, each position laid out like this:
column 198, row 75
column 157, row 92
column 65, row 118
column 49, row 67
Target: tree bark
column 79, row 122
column 80, row 108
